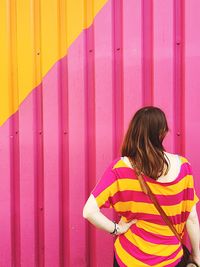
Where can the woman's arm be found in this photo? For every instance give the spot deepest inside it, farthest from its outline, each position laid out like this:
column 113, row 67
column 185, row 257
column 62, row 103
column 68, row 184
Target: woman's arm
column 92, row 213
column 192, row 226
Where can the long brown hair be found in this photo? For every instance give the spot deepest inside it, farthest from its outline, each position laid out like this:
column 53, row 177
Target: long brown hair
column 143, row 141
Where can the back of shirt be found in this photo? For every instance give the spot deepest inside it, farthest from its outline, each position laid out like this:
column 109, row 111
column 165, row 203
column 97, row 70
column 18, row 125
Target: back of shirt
column 149, row 242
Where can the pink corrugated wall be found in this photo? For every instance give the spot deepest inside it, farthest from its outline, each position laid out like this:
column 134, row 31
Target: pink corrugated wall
column 55, row 148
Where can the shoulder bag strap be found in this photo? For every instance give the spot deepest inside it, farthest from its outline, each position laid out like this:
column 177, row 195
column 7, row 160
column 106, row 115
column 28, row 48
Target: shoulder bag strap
column 146, row 189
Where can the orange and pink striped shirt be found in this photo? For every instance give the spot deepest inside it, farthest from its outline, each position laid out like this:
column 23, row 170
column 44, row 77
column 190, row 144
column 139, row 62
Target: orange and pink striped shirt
column 149, row 242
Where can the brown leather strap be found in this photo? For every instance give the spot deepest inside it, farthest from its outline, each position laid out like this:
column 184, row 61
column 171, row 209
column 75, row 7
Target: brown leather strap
column 146, row 189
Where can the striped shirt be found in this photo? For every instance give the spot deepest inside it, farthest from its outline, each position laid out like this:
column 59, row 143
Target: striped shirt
column 149, row 242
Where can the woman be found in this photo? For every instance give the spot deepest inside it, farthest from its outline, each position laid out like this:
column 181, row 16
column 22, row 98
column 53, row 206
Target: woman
column 143, row 238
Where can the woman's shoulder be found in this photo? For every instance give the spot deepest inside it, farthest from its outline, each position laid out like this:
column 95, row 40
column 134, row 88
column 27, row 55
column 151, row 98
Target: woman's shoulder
column 113, row 163
column 172, row 156
column 178, row 166
column 116, row 163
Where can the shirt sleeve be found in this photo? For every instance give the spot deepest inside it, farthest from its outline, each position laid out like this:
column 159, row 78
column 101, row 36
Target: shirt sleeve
column 192, row 195
column 106, row 188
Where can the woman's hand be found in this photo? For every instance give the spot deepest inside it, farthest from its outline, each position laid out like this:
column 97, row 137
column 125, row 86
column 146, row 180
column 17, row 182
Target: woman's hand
column 196, row 258
column 192, row 226
column 124, row 226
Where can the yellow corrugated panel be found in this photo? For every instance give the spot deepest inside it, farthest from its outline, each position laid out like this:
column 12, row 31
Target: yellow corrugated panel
column 4, row 62
column 32, row 41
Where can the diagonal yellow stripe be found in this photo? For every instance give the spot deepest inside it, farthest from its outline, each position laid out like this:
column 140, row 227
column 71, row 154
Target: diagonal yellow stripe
column 149, row 208
column 165, row 263
column 126, row 258
column 130, row 261
column 159, row 229
column 130, row 184
column 145, row 246
column 34, row 35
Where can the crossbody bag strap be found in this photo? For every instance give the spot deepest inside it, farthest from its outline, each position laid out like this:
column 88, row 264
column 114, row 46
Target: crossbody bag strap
column 146, row 189
column 161, row 211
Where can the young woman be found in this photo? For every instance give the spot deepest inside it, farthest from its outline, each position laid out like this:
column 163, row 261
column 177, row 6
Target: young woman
column 143, row 238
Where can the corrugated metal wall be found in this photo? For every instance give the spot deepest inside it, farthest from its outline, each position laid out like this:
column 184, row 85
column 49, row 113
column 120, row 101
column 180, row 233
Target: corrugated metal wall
column 73, row 72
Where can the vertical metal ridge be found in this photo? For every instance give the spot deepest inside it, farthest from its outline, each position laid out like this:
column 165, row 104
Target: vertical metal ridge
column 38, row 141
column 14, row 141
column 15, row 190
column 64, row 203
column 134, row 57
column 147, row 52
column 118, row 96
column 39, row 177
column 90, row 121
column 179, row 76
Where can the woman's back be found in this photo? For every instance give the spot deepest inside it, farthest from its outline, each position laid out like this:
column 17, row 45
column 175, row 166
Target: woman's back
column 144, row 239
column 149, row 241
column 174, row 167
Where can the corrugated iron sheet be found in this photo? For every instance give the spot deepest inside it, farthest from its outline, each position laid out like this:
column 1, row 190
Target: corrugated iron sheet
column 72, row 75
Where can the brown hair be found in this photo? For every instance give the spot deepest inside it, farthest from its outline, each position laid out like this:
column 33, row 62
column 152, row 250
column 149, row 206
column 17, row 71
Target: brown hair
column 143, row 141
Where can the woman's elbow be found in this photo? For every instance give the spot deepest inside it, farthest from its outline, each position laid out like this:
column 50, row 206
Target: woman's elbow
column 193, row 216
column 90, row 207
column 85, row 212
